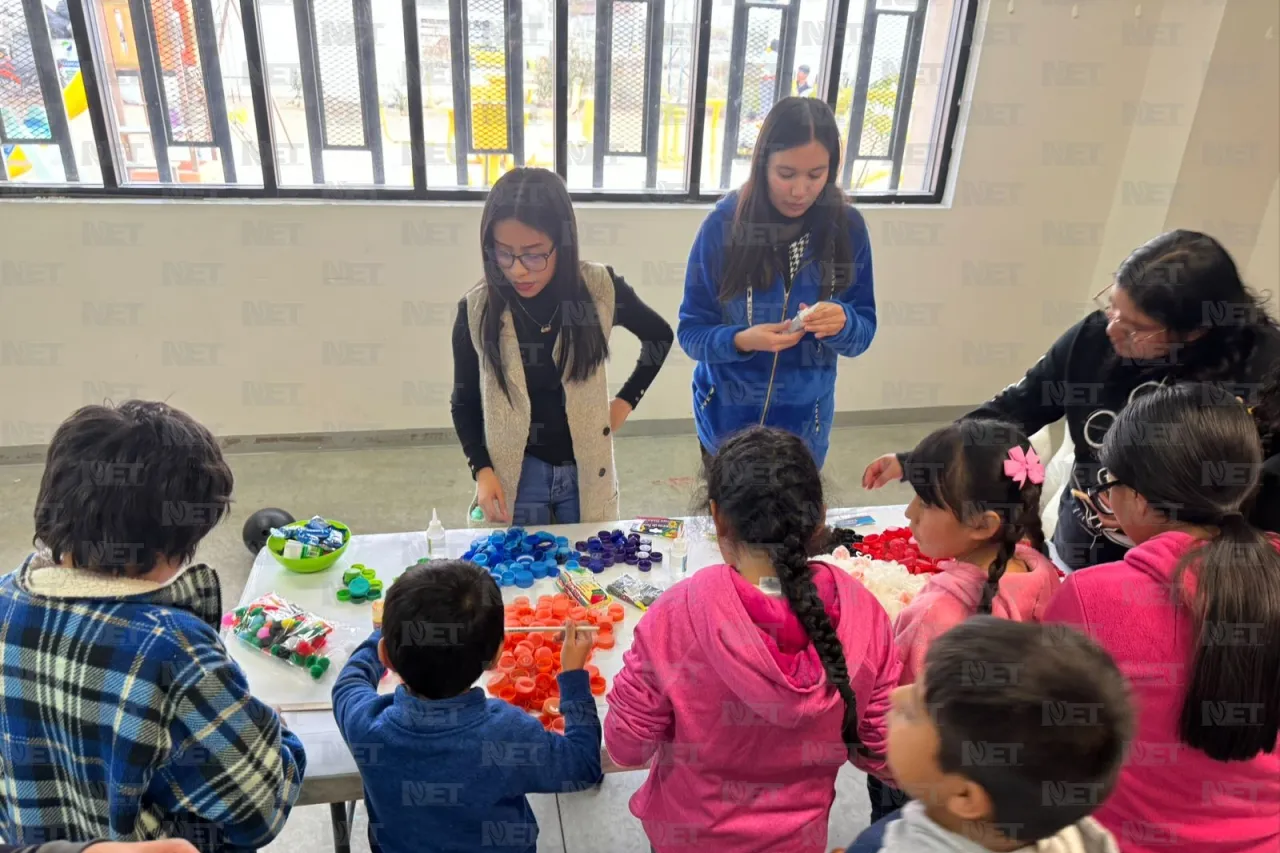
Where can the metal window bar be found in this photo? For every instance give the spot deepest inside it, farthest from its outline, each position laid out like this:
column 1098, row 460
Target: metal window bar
column 149, row 80
column 784, row 33
column 88, row 45
column 611, row 18
column 479, row 128
column 413, row 92
column 331, row 124
column 52, row 126
column 908, row 64
column 215, row 96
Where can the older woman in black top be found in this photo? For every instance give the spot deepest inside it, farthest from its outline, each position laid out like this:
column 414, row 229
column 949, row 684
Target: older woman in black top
column 531, row 403
column 1176, row 311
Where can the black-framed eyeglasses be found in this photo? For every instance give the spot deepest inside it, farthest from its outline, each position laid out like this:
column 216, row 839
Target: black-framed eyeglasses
column 532, row 261
column 1099, row 496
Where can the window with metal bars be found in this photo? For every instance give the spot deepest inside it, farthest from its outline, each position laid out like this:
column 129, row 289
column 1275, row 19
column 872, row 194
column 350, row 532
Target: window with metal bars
column 646, row 100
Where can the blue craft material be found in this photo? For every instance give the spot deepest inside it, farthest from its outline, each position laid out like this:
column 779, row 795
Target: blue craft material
column 644, row 565
column 572, row 566
column 524, row 580
column 608, row 562
column 524, row 558
column 508, row 579
column 632, row 559
column 656, row 556
column 538, row 570
column 480, row 560
column 596, row 567
column 468, row 555
column 562, row 541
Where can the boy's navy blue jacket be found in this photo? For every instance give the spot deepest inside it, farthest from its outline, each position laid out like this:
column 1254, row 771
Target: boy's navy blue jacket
column 733, row 390
column 452, row 774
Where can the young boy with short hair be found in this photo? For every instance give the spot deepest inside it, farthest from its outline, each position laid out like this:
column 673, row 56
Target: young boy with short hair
column 123, row 715
column 443, row 764
column 1014, row 734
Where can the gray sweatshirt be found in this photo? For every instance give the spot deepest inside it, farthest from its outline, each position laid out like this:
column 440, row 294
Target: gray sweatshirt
column 914, row 832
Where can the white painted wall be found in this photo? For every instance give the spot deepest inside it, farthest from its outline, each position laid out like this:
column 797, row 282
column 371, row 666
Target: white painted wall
column 306, row 317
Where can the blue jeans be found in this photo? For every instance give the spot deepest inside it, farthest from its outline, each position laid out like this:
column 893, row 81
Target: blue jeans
column 547, row 494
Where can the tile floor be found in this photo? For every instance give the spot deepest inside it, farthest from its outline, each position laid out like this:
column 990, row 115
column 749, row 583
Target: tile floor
column 383, row 490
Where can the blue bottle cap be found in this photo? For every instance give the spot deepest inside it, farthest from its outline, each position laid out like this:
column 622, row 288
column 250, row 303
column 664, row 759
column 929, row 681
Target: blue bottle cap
column 497, row 577
column 524, row 558
column 515, row 531
column 495, row 538
column 575, row 554
column 644, row 565
column 524, row 580
column 479, row 542
column 634, row 537
column 538, row 570
column 480, row 560
column 608, row 561
column 604, row 534
column 468, row 555
column 562, row 541
column 562, row 550
column 546, row 536
column 645, row 540
column 656, row 556
column 593, row 544
column 632, row 559
column 508, row 579
column 580, row 545
column 572, row 566
column 596, row 567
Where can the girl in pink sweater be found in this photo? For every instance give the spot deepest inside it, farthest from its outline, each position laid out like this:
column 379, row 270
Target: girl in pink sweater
column 1192, row 616
column 749, row 684
column 977, row 486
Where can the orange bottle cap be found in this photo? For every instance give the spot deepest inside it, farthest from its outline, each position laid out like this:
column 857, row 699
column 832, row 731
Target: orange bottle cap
column 524, row 684
column 578, row 614
column 557, row 725
column 507, row 694
column 551, row 706
column 598, row 685
column 605, row 641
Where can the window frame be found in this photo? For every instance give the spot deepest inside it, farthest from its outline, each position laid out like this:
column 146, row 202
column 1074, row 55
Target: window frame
column 955, row 68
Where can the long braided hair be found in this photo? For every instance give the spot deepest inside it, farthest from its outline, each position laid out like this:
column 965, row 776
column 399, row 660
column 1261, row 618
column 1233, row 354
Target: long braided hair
column 766, row 488
column 960, row 468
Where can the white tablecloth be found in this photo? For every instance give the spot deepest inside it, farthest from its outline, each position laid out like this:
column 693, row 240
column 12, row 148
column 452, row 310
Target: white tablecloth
column 331, row 771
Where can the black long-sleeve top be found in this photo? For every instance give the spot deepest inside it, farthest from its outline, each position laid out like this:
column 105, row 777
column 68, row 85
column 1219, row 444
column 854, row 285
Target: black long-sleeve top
column 549, row 437
column 1080, row 379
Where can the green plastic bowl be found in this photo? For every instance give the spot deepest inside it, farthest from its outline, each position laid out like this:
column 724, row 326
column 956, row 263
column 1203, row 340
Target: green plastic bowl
column 308, row 565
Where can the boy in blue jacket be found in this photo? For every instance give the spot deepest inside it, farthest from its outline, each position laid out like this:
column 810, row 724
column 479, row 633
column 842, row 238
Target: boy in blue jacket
column 442, row 763
column 787, row 241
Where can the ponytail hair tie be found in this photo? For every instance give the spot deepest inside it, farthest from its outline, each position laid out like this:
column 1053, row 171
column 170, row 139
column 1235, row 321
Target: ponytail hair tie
column 1231, row 517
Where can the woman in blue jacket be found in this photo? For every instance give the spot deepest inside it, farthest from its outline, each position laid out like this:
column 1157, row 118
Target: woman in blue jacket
column 787, row 241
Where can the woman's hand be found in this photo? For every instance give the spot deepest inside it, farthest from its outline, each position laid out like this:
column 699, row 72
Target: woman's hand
column 619, row 411
column 767, row 337
column 887, row 469
column 489, row 496
column 827, row 319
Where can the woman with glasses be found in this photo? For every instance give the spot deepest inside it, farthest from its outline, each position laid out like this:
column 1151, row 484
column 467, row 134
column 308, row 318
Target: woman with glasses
column 1176, row 310
column 531, row 402
column 1192, row 615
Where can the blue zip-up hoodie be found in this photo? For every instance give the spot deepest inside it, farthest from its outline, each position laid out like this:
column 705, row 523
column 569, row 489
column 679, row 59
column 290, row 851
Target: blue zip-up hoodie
column 733, row 390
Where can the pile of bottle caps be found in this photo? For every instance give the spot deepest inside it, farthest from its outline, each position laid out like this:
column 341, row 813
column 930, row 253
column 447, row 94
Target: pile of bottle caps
column 314, row 539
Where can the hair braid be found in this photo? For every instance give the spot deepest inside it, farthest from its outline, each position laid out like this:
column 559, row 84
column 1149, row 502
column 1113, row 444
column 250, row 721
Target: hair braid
column 791, row 562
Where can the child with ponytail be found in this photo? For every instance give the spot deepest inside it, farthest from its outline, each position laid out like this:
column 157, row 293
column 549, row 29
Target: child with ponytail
column 977, row 512
column 1192, row 616
column 750, row 683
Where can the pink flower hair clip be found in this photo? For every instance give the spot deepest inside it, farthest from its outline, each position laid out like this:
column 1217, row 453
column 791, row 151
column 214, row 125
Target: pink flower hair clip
column 1023, row 465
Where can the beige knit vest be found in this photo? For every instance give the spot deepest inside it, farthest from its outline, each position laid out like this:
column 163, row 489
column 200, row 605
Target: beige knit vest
column 506, row 424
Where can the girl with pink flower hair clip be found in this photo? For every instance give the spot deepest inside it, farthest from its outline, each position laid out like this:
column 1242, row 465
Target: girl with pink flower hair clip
column 977, row 512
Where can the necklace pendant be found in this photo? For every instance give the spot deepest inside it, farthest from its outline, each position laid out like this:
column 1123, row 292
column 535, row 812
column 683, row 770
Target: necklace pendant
column 546, row 330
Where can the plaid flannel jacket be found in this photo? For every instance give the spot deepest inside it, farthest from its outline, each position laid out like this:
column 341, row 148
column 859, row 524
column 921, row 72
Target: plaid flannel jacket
column 122, row 716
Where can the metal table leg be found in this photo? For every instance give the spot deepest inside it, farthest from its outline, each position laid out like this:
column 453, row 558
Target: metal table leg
column 340, row 817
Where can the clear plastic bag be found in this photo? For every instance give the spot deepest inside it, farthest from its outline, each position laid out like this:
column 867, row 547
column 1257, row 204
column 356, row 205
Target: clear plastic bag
column 282, row 630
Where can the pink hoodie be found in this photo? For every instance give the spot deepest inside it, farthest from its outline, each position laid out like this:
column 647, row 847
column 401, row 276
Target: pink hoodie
column 734, row 710
column 952, row 596
column 1170, row 797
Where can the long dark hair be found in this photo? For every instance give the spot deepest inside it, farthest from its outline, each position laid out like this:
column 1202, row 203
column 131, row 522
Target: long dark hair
column 1206, row 467
column 1188, row 282
column 960, row 468
column 751, row 255
column 538, row 198
column 768, row 490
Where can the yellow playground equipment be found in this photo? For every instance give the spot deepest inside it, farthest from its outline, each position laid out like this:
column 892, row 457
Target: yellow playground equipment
column 73, row 98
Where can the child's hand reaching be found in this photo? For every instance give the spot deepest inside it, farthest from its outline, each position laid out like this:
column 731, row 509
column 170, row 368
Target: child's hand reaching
column 577, row 645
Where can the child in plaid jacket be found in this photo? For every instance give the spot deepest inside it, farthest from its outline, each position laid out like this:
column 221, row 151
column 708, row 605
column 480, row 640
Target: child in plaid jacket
column 121, row 714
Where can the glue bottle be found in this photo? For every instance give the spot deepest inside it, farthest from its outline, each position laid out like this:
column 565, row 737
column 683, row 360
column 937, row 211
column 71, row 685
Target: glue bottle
column 680, row 556
column 435, row 537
